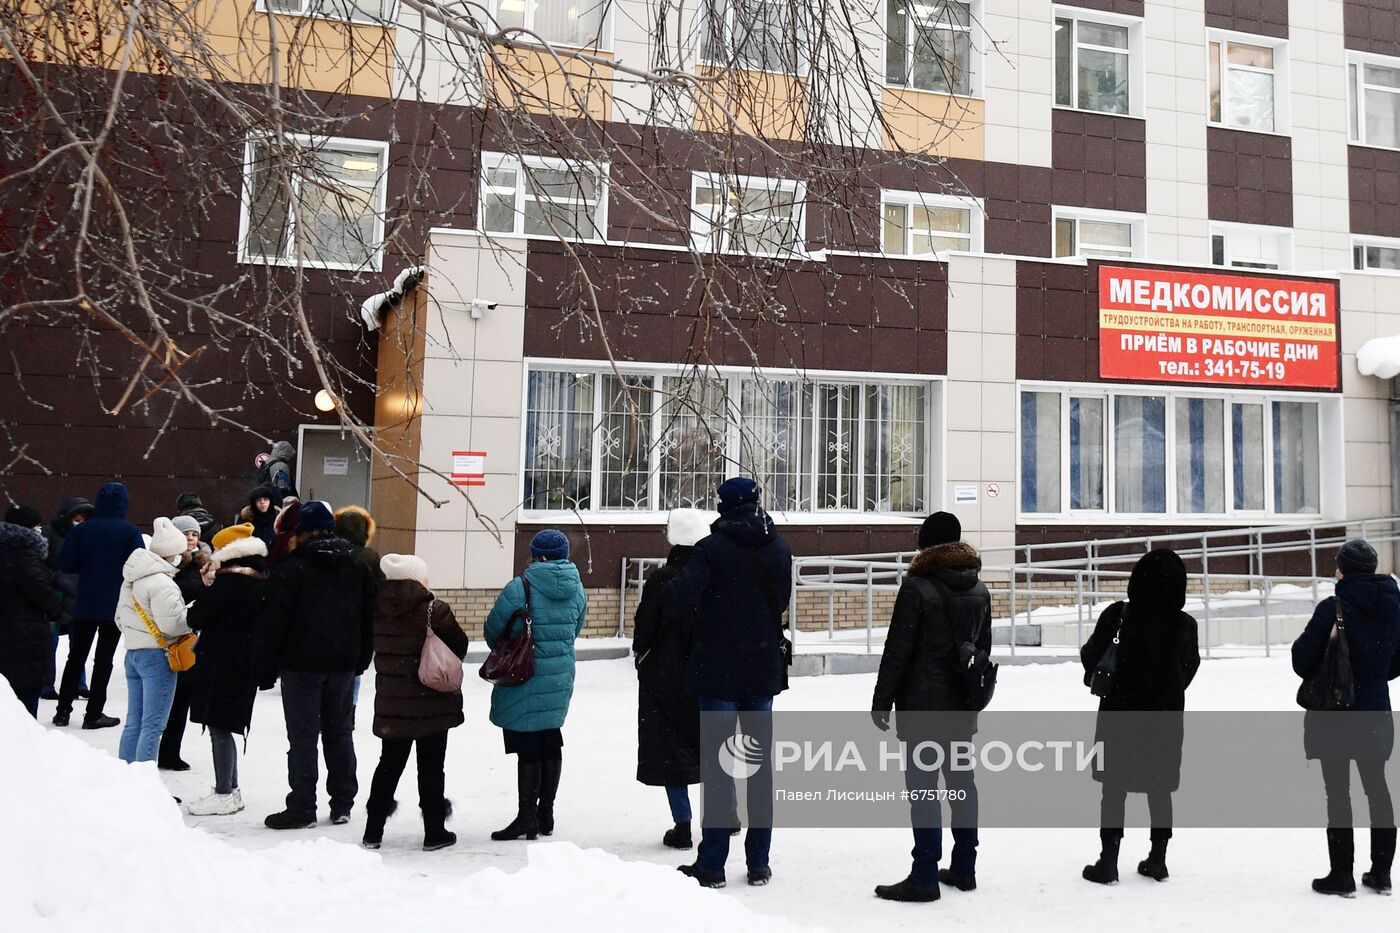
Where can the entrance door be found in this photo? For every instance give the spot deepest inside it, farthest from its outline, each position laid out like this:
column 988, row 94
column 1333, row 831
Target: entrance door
column 334, row 466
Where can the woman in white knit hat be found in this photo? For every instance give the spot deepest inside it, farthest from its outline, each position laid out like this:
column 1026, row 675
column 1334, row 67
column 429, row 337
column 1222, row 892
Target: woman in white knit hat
column 148, row 588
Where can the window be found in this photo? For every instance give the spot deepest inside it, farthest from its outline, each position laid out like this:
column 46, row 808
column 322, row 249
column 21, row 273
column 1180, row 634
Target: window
column 763, row 35
column 362, row 11
column 739, row 214
column 914, row 224
column 651, row 441
column 542, row 197
column 1375, row 255
column 1374, row 102
column 317, row 201
column 928, row 46
column 1173, row 454
column 1246, row 79
column 1244, row 246
column 1095, row 61
column 576, row 23
column 1102, row 235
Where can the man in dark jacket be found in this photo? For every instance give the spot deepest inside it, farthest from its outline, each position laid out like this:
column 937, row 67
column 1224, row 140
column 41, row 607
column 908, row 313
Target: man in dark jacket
column 317, row 633
column 96, row 551
column 28, row 601
column 190, row 504
column 941, row 604
column 1368, row 607
column 732, row 593
column 71, row 512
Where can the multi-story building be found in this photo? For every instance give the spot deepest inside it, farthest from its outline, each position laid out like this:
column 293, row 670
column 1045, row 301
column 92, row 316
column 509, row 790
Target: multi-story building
column 1066, row 270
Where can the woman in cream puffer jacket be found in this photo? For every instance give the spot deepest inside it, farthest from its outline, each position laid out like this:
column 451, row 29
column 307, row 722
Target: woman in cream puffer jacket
column 148, row 579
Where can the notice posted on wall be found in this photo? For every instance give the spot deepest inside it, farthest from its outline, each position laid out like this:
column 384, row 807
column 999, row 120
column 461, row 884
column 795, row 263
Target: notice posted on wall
column 469, row 468
column 335, row 466
column 965, row 494
column 1161, row 325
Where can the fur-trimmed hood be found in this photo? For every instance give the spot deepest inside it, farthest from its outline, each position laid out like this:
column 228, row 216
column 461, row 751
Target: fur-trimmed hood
column 355, row 525
column 239, row 550
column 956, row 556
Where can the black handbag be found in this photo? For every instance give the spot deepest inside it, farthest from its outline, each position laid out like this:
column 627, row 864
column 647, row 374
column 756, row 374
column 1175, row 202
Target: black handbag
column 1331, row 688
column 512, row 661
column 1100, row 679
column 979, row 672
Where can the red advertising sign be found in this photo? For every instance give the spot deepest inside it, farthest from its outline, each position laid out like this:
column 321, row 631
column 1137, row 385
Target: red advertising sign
column 1167, row 326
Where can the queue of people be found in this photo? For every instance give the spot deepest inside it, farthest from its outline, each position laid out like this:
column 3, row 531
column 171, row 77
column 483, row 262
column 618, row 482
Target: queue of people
column 709, row 639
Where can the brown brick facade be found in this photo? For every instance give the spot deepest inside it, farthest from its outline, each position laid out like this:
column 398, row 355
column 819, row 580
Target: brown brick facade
column 1250, row 177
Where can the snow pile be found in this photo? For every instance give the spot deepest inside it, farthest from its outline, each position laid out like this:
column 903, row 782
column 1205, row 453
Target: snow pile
column 90, row 842
column 1379, row 357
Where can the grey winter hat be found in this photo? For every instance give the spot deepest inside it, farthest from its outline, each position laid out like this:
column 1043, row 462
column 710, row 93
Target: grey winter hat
column 1357, row 556
column 185, row 524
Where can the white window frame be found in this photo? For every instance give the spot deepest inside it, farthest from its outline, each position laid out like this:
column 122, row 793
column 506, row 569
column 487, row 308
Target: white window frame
column 976, row 55
column 935, row 438
column 1331, row 471
column 1137, row 68
column 1229, row 230
column 909, row 199
column 1360, row 242
column 1280, row 71
column 390, row 19
column 605, row 31
column 379, row 149
column 702, row 19
column 1138, row 223
column 704, row 242
column 520, row 164
column 1356, row 98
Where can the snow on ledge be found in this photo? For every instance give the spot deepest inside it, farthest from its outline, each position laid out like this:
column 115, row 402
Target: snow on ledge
column 1379, row 357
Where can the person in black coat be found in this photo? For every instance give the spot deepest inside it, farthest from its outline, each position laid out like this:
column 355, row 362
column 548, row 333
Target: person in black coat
column 1367, row 607
column 261, row 512
column 28, row 604
column 190, row 504
column 71, row 512
column 221, row 684
column 1157, row 656
column 732, row 593
column 317, row 634
column 941, row 605
column 668, row 718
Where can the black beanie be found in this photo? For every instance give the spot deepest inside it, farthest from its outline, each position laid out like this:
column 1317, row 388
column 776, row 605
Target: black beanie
column 1357, row 556
column 23, row 516
column 940, row 528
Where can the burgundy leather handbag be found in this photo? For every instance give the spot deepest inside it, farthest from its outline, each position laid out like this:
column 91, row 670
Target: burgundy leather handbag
column 512, row 661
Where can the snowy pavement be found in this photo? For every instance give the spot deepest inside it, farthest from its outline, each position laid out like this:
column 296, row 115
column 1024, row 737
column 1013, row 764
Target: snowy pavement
column 100, row 841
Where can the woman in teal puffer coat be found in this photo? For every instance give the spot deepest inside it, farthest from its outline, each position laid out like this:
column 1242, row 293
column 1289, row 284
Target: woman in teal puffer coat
column 532, row 714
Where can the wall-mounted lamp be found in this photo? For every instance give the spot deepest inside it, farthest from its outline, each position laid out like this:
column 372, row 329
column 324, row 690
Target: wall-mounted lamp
column 325, row 401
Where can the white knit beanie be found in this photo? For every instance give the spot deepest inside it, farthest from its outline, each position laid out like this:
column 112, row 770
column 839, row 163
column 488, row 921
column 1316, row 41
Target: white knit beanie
column 686, row 527
column 166, row 540
column 404, row 567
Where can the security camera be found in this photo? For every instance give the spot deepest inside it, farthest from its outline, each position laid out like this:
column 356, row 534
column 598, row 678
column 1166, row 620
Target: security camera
column 481, row 305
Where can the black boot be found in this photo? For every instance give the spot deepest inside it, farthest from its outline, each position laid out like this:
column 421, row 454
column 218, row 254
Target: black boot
column 961, row 882
column 375, row 818
column 908, row 890
column 1155, row 865
column 1382, row 856
column 1341, row 852
column 679, row 836
column 549, row 786
column 526, row 822
column 435, row 833
column 1105, row 870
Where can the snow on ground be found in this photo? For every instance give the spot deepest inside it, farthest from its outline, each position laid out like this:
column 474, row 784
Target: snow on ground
column 90, row 839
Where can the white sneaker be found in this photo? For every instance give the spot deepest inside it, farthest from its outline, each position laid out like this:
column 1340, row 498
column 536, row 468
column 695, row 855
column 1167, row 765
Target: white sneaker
column 217, row 804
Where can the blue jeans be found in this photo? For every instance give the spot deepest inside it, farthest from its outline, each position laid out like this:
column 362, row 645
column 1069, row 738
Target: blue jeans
column 927, row 818
column 679, row 799
column 753, row 715
column 150, row 689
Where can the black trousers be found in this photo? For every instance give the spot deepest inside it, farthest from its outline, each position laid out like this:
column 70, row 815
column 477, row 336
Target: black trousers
column 1336, row 781
column 393, row 757
column 174, row 734
column 1114, row 804
column 85, row 632
column 319, row 706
